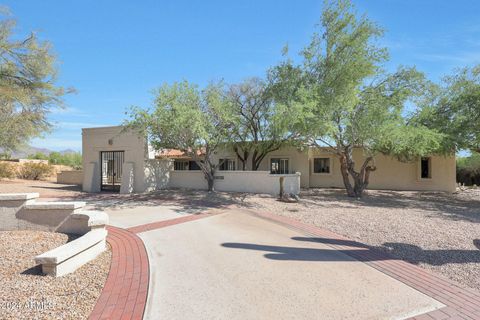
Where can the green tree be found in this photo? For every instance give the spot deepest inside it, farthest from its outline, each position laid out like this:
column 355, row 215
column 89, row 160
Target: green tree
column 72, row 159
column 187, row 119
column 38, row 156
column 346, row 99
column 258, row 125
column 454, row 109
column 27, row 87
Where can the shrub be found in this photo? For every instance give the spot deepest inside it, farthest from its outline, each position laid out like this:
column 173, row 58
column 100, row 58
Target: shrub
column 468, row 170
column 72, row 159
column 35, row 171
column 6, row 170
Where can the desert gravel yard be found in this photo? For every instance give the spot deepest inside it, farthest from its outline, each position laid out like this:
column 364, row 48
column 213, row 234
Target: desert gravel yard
column 26, row 294
column 437, row 231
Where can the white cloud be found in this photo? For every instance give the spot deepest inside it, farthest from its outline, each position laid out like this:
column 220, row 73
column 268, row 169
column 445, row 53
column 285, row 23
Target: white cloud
column 465, row 58
column 79, row 125
column 66, row 110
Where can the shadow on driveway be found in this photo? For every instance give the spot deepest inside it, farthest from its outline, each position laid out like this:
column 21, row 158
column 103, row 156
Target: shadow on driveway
column 413, row 253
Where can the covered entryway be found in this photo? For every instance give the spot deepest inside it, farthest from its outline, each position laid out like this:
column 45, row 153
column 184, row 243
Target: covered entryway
column 111, row 170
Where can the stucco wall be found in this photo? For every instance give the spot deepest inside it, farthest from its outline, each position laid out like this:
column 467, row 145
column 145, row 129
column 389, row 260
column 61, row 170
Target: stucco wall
column 390, row 174
column 150, row 175
column 236, row 181
column 70, row 177
column 95, row 140
column 157, row 174
column 298, row 161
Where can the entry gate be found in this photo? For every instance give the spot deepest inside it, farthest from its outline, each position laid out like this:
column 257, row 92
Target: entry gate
column 112, row 163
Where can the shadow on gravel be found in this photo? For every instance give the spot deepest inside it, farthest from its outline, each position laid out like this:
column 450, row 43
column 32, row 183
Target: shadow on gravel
column 186, row 200
column 443, row 205
column 407, row 252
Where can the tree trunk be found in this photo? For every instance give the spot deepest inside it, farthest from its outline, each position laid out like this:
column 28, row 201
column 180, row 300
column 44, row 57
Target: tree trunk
column 243, row 158
column 210, row 182
column 254, row 161
column 360, row 179
column 346, row 179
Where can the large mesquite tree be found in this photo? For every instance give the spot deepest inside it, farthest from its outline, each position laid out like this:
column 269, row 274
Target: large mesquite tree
column 347, row 101
column 188, row 119
column 258, row 125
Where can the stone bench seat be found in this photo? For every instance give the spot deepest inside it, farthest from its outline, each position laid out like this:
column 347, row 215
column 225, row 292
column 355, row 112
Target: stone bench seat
column 45, row 205
column 18, row 196
column 72, row 255
column 84, row 221
column 48, row 216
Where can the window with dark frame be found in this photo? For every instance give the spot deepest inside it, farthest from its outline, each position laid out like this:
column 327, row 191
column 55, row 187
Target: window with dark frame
column 321, row 165
column 192, row 165
column 180, row 165
column 278, row 166
column 227, row 165
column 425, row 168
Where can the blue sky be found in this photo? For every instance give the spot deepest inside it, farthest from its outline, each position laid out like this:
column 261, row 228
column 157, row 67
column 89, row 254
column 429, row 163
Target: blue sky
column 115, row 52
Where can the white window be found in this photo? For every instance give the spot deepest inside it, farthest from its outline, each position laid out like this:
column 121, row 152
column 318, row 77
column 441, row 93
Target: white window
column 321, row 165
column 227, row 165
column 278, row 166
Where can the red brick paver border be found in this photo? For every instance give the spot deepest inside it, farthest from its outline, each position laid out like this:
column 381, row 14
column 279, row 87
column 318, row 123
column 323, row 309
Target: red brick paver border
column 124, row 295
column 171, row 222
column 460, row 303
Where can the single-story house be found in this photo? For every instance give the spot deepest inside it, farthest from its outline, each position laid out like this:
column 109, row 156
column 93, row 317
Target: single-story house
column 123, row 161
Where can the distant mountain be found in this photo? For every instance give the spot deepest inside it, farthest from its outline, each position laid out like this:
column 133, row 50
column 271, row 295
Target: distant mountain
column 28, row 150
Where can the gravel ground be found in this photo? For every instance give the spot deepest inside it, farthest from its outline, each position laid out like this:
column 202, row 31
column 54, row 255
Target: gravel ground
column 47, row 189
column 26, row 294
column 436, row 231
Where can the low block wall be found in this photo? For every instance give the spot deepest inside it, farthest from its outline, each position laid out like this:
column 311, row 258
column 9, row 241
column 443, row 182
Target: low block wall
column 70, row 177
column 157, row 174
column 237, row 181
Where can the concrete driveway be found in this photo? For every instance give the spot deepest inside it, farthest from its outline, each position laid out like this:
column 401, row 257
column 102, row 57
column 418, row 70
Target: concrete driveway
column 238, row 266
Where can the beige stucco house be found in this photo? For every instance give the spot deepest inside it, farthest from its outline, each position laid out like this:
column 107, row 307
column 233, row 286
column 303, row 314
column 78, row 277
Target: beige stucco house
column 122, row 161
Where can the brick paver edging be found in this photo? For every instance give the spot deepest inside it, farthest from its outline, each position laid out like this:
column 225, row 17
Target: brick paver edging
column 124, row 295
column 171, row 222
column 460, row 303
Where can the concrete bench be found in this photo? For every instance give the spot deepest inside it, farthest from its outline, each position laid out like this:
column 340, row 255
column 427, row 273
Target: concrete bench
column 72, row 255
column 48, row 216
column 84, row 221
column 10, row 204
column 22, row 197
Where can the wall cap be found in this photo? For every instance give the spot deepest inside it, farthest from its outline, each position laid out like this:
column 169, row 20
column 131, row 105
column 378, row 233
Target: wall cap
column 55, row 205
column 18, row 196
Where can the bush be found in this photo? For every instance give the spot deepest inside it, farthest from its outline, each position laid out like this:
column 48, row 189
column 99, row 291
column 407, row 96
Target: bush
column 35, row 171
column 72, row 159
column 468, row 170
column 6, row 170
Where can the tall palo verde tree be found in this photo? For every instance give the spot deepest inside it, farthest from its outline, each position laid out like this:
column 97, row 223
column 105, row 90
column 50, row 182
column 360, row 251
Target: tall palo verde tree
column 188, row 119
column 453, row 107
column 28, row 90
column 348, row 102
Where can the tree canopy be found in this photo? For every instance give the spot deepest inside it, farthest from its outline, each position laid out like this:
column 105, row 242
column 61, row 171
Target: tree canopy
column 347, row 100
column 258, row 125
column 27, row 87
column 188, row 119
column 453, row 108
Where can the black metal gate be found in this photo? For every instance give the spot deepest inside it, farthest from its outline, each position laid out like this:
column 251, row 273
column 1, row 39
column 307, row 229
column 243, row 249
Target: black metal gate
column 111, row 170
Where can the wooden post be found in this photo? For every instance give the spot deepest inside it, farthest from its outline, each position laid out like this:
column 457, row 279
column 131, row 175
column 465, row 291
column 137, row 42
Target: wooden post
column 282, row 180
